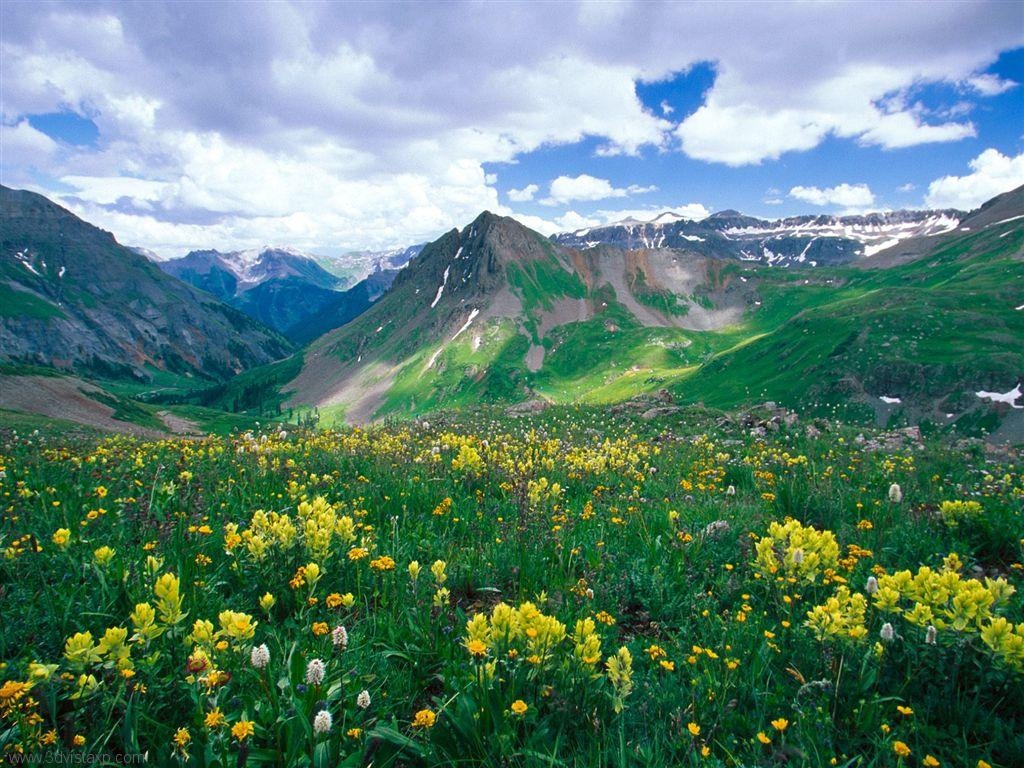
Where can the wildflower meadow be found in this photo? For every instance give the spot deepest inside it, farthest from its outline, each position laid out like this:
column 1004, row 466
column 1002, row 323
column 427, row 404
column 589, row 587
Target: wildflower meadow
column 574, row 587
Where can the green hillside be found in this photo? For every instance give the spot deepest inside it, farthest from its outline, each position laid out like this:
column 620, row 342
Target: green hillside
column 536, row 320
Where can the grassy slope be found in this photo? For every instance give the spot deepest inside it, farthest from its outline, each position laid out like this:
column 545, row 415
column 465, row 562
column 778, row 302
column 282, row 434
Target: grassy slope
column 821, row 340
column 921, row 331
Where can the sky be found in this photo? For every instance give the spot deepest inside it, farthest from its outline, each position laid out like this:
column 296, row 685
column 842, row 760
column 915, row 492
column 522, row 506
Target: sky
column 332, row 126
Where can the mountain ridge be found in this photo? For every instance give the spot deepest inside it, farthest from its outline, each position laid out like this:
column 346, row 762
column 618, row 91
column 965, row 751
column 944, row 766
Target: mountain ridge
column 808, row 240
column 495, row 312
column 74, row 298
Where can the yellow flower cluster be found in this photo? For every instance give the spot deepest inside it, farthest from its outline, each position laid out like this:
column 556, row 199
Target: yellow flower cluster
column 955, row 512
column 840, row 617
column 793, row 550
column 587, row 642
column 1006, row 641
column 620, row 674
column 941, row 598
column 532, row 634
column 468, row 461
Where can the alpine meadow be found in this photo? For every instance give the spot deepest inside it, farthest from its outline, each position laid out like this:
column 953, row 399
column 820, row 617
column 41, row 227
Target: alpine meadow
column 523, row 384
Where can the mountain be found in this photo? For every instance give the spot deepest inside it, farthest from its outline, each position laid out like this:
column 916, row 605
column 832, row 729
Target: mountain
column 227, row 275
column 1002, row 209
column 795, row 241
column 280, row 287
column 498, row 313
column 489, row 312
column 355, row 266
column 72, row 297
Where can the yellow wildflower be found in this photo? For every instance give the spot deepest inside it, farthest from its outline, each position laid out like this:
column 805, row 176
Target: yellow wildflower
column 242, row 730
column 425, row 718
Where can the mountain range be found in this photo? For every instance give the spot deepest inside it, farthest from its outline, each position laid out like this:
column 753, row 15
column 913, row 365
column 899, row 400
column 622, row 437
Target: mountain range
column 907, row 317
column 497, row 313
column 282, row 288
column 794, row 241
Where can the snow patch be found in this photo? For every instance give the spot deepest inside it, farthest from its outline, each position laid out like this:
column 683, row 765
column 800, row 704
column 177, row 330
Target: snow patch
column 871, row 250
column 890, row 400
column 1010, row 397
column 472, row 315
column 440, row 288
column 1006, row 221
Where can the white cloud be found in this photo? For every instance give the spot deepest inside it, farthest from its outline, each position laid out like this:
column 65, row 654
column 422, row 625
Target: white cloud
column 850, row 196
column 571, row 220
column 744, row 134
column 990, row 85
column 992, row 173
column 23, row 144
column 523, row 195
column 904, row 129
column 694, row 211
column 908, row 187
column 566, row 189
column 666, row 108
column 320, row 121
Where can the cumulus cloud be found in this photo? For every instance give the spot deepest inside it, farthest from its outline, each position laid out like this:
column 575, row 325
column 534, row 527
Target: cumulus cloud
column 23, row 144
column 992, row 173
column 523, row 195
column 845, row 195
column 566, row 189
column 350, row 125
column 990, row 85
column 571, row 220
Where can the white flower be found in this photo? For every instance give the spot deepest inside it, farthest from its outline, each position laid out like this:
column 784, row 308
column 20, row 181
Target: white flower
column 872, row 586
column 887, row 632
column 322, row 722
column 895, row 493
column 339, row 636
column 259, row 657
column 930, row 634
column 730, row 491
column 363, row 700
column 716, row 528
column 315, row 672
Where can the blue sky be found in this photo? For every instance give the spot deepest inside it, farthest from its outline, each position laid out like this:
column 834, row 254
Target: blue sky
column 334, row 127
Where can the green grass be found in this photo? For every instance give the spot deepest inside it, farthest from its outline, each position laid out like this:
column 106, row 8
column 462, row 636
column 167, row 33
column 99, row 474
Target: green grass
column 17, row 421
column 622, row 541
column 540, row 283
column 15, row 303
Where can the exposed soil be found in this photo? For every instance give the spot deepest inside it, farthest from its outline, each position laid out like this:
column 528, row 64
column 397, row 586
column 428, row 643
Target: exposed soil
column 64, row 398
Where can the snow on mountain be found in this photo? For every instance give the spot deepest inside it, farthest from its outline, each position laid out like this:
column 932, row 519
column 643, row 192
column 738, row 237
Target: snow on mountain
column 793, row 241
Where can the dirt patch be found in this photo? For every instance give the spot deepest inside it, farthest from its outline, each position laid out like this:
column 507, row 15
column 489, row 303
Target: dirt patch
column 179, row 425
column 534, row 357
column 64, row 397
